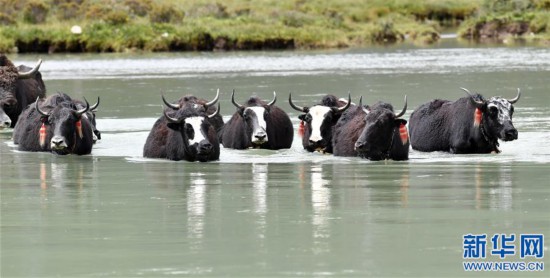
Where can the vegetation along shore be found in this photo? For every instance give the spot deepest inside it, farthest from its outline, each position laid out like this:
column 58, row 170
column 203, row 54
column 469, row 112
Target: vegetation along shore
column 202, row 25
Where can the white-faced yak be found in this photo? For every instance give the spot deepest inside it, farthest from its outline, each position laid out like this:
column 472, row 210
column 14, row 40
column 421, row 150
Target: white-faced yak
column 258, row 124
column 186, row 134
column 318, row 122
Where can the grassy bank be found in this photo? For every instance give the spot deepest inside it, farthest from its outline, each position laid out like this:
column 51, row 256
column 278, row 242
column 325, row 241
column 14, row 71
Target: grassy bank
column 168, row 25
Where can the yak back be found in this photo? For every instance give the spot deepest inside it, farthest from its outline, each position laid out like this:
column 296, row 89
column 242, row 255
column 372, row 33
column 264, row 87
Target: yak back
column 347, row 130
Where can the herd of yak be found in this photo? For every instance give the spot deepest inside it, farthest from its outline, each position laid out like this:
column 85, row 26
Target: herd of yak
column 192, row 129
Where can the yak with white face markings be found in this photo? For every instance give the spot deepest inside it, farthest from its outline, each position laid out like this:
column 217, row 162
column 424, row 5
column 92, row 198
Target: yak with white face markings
column 199, row 103
column 470, row 124
column 319, row 120
column 184, row 134
column 258, row 124
column 373, row 132
column 55, row 125
column 19, row 87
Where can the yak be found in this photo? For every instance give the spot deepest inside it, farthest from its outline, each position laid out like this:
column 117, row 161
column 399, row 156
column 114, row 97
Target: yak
column 471, row 124
column 185, row 135
column 258, row 124
column 208, row 106
column 19, row 87
column 319, row 120
column 373, row 132
column 56, row 126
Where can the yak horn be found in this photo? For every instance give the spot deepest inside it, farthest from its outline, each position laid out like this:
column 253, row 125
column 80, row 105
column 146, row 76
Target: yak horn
column 233, row 100
column 94, row 107
column 171, row 105
column 294, row 106
column 216, row 113
column 83, row 110
column 342, row 109
column 212, row 102
column 274, row 99
column 38, row 108
column 404, row 109
column 30, row 73
column 170, row 119
column 477, row 103
column 514, row 100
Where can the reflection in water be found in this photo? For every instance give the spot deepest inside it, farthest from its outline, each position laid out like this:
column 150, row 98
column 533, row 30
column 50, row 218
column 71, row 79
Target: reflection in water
column 196, row 203
column 404, row 188
column 500, row 198
column 259, row 179
column 320, row 201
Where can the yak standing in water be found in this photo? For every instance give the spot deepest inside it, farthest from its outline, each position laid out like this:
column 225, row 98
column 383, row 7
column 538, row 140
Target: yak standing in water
column 185, row 135
column 19, row 87
column 55, row 126
column 470, row 124
column 373, row 132
column 318, row 122
column 199, row 103
column 258, row 124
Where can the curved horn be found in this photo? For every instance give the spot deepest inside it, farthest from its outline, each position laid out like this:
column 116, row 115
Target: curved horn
column 361, row 101
column 404, row 109
column 216, row 113
column 342, row 109
column 294, row 106
column 212, row 102
column 38, row 108
column 30, row 73
column 170, row 119
column 274, row 99
column 94, row 107
column 477, row 103
column 514, row 100
column 233, row 100
column 171, row 105
column 83, row 110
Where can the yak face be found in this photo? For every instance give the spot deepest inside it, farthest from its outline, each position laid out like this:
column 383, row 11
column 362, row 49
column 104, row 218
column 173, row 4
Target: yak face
column 498, row 119
column 65, row 123
column 497, row 116
column 5, row 120
column 377, row 137
column 194, row 133
column 319, row 121
column 255, row 123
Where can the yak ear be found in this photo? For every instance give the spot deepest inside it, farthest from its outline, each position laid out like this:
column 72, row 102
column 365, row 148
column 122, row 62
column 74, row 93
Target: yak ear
column 174, row 126
column 400, row 122
column 302, row 117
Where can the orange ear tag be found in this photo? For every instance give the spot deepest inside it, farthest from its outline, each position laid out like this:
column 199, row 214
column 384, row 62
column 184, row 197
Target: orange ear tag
column 79, row 128
column 42, row 136
column 301, row 129
column 477, row 117
column 404, row 134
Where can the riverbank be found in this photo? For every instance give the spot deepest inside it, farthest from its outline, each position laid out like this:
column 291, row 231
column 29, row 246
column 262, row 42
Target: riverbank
column 49, row 26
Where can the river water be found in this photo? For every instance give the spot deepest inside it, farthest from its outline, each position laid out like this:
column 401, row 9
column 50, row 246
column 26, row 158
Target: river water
column 274, row 213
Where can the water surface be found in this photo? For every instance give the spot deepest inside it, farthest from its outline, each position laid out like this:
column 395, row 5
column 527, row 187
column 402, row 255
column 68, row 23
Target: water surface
column 273, row 213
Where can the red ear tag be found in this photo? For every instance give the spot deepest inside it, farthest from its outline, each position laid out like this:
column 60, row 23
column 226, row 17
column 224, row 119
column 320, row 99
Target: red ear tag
column 477, row 117
column 301, row 129
column 42, row 136
column 79, row 128
column 404, row 134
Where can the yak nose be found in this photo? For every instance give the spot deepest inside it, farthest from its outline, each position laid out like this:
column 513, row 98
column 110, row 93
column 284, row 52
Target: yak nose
column 205, row 146
column 260, row 136
column 5, row 124
column 511, row 134
column 57, row 141
column 359, row 145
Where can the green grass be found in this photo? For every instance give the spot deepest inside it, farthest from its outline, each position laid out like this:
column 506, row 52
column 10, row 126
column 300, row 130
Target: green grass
column 169, row 25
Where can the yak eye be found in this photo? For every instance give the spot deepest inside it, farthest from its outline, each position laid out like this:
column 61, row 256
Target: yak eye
column 189, row 130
